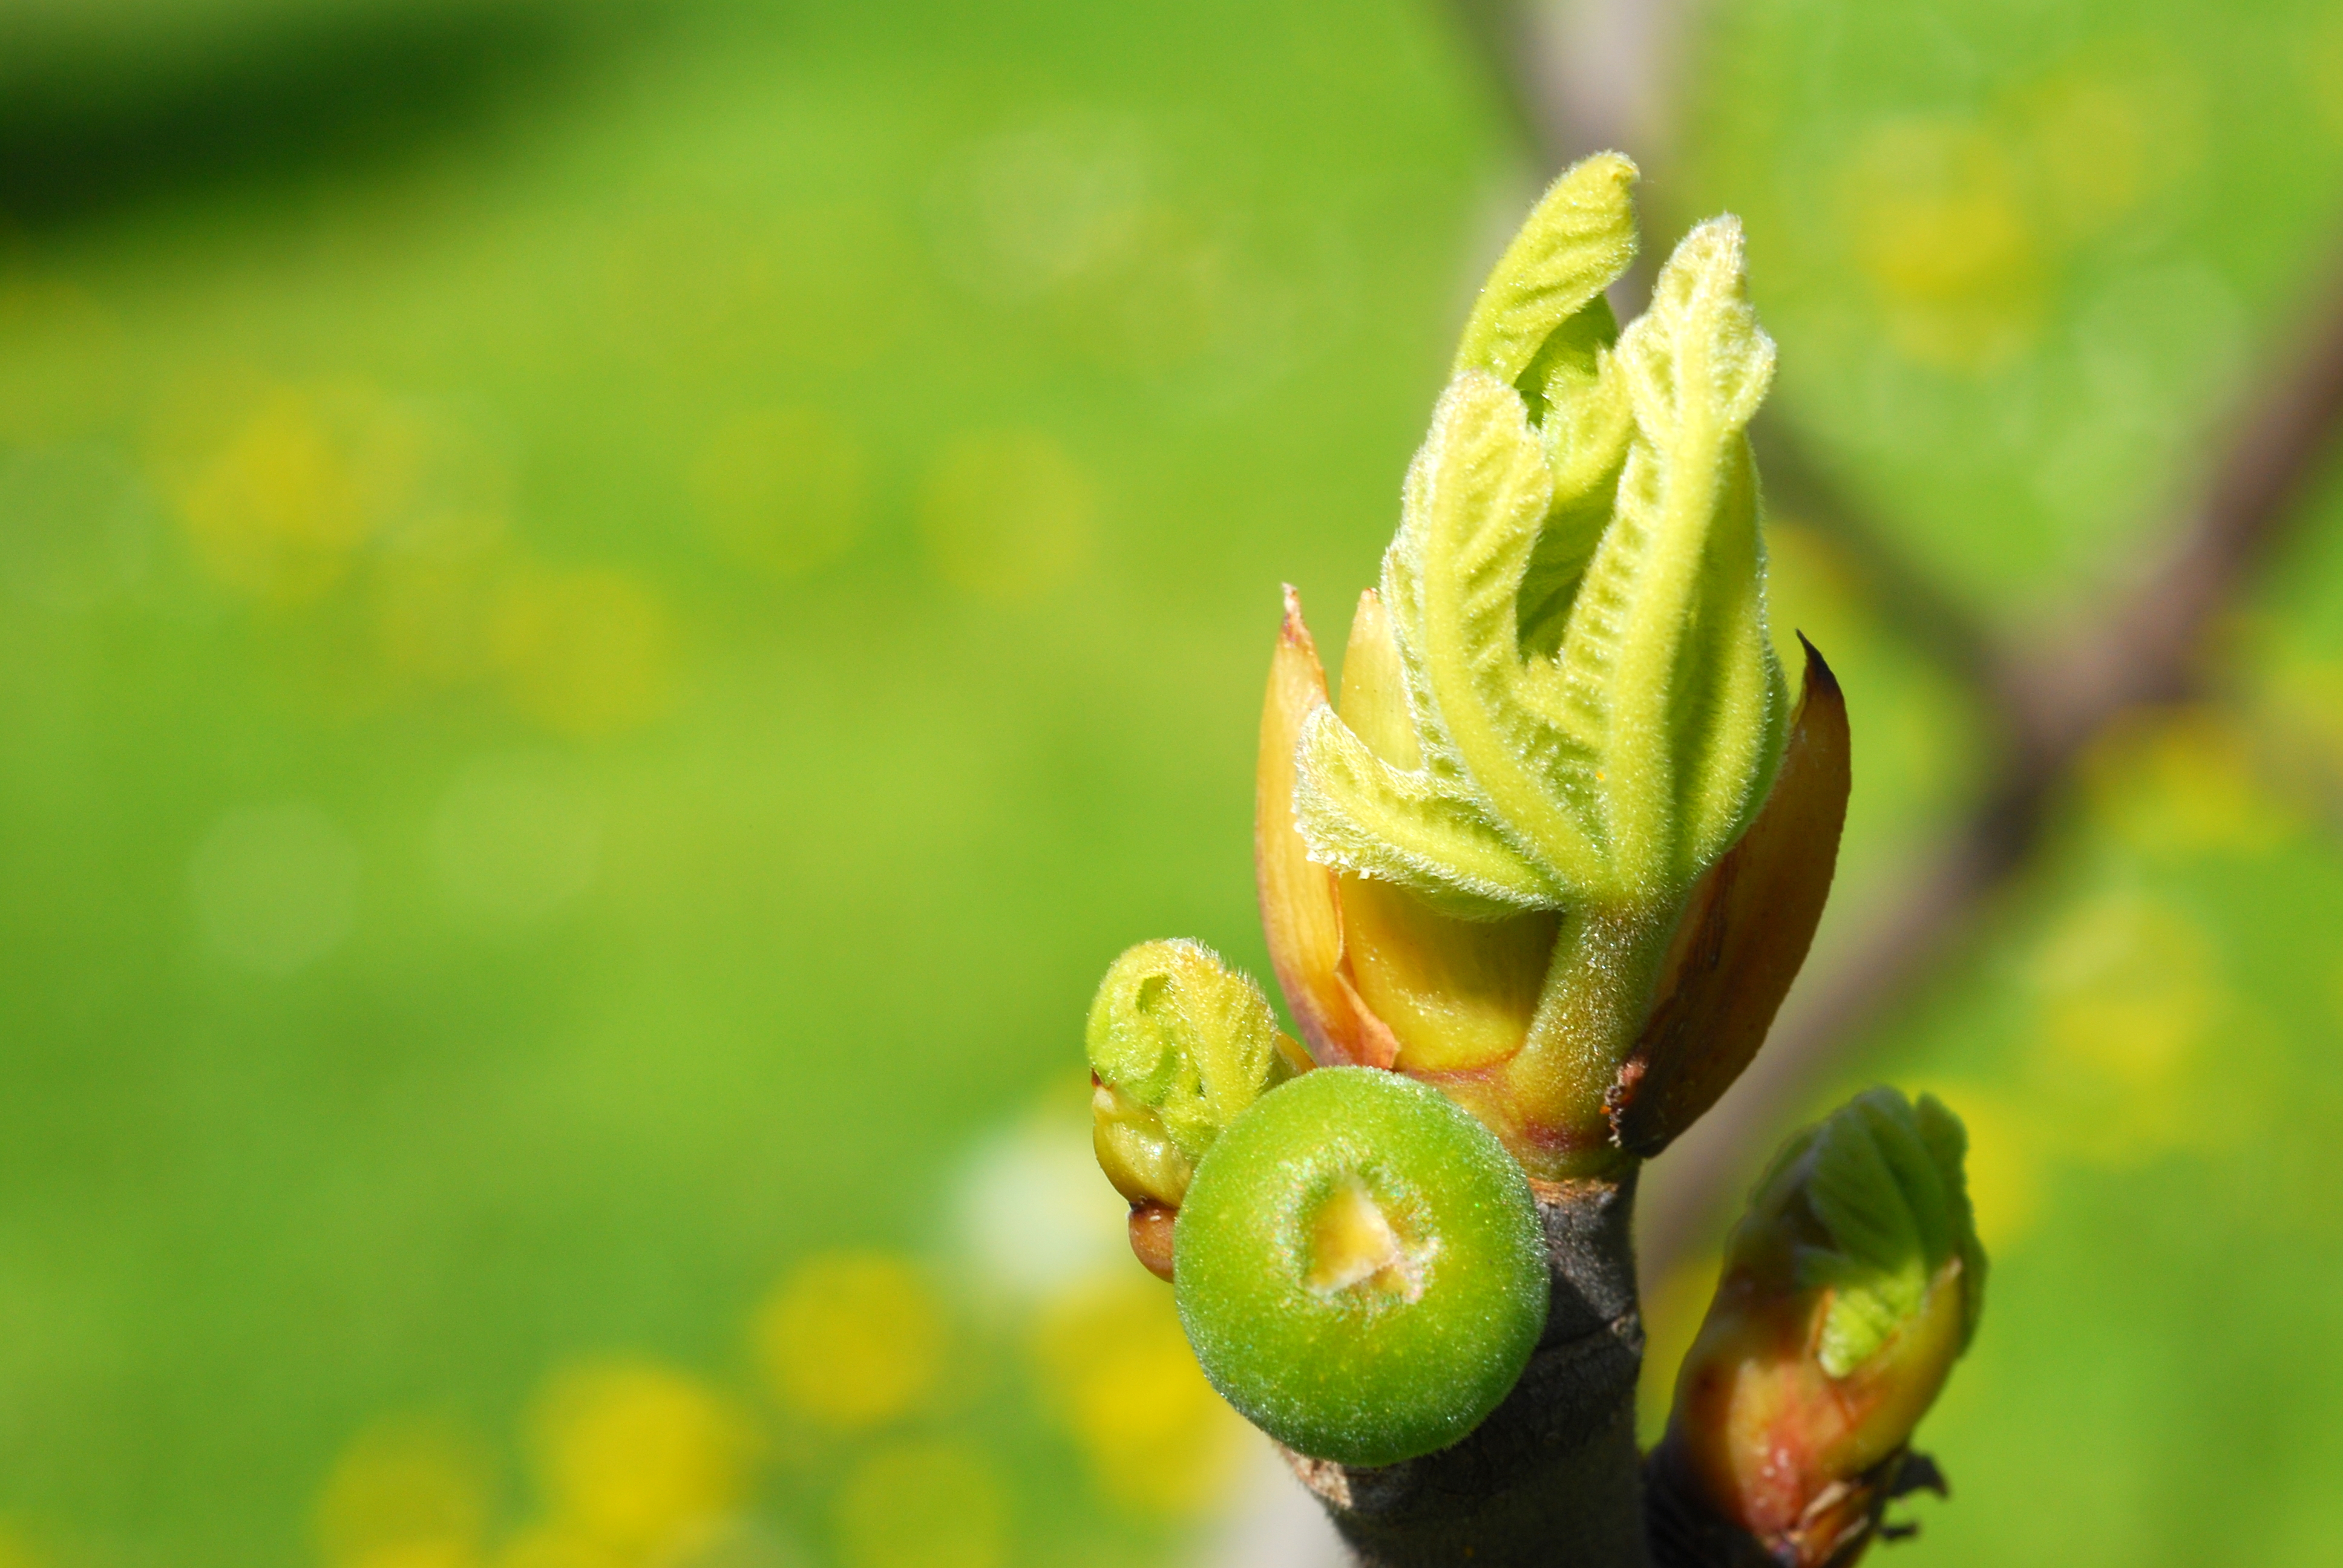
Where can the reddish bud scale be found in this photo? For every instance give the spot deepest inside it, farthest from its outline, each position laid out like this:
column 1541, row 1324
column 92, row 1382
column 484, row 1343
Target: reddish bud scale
column 1301, row 911
column 1743, row 934
column 1150, row 1237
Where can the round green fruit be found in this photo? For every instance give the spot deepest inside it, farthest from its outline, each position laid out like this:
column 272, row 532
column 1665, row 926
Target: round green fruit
column 1361, row 1268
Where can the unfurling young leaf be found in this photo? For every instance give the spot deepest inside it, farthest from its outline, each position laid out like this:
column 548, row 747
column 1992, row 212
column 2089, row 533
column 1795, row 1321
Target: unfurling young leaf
column 1589, row 712
column 1668, row 662
column 1575, row 243
column 1617, row 761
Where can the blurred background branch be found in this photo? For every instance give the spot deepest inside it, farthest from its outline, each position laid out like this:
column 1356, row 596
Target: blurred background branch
column 1579, row 75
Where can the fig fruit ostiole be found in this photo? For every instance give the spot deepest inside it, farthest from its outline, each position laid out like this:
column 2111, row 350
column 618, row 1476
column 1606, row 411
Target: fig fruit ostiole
column 1361, row 1268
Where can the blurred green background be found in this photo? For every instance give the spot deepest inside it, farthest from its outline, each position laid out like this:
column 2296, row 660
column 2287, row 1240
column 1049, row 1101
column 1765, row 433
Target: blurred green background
column 609, row 610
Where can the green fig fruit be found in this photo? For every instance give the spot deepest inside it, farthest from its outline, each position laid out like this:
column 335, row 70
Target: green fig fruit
column 1362, row 1273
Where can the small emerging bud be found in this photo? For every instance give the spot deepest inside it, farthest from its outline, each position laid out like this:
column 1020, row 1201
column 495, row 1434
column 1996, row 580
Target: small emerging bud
column 1849, row 1290
column 1179, row 1045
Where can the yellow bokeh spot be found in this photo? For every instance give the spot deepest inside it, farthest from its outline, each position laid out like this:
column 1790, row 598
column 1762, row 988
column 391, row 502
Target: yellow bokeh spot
column 2004, row 1164
column 584, row 653
column 283, row 489
column 16, row 1551
column 390, row 522
column 2304, row 696
column 2126, row 985
column 553, row 1546
column 1008, row 516
column 1937, row 220
column 280, row 509
column 406, row 1494
column 1115, row 1368
column 2105, row 138
column 2184, row 782
column 1960, row 222
column 782, row 490
column 853, row 1339
column 2127, row 991
column 2321, row 65
column 634, row 1456
column 922, row 1506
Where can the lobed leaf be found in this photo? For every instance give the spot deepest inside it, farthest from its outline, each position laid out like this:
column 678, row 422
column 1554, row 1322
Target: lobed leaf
column 1368, row 817
column 1577, row 591
column 1668, row 675
column 1577, row 240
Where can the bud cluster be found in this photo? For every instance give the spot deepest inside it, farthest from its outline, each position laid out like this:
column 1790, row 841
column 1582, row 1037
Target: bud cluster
column 1558, row 717
column 1535, row 882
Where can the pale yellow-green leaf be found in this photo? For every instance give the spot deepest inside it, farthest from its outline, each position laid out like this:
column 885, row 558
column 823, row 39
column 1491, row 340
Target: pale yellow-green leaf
column 1696, row 358
column 1670, row 675
column 1588, row 422
column 1579, row 238
column 1363, row 816
column 1586, row 418
column 1483, row 497
column 1732, row 716
column 1498, row 814
column 1576, row 596
column 1871, row 1204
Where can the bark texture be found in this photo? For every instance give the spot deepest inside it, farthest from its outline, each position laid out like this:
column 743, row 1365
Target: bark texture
column 1552, row 1477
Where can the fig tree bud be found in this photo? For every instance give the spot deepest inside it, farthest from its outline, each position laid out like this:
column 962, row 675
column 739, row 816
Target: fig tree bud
column 1850, row 1288
column 1585, row 712
column 1361, row 1269
column 1179, row 1045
